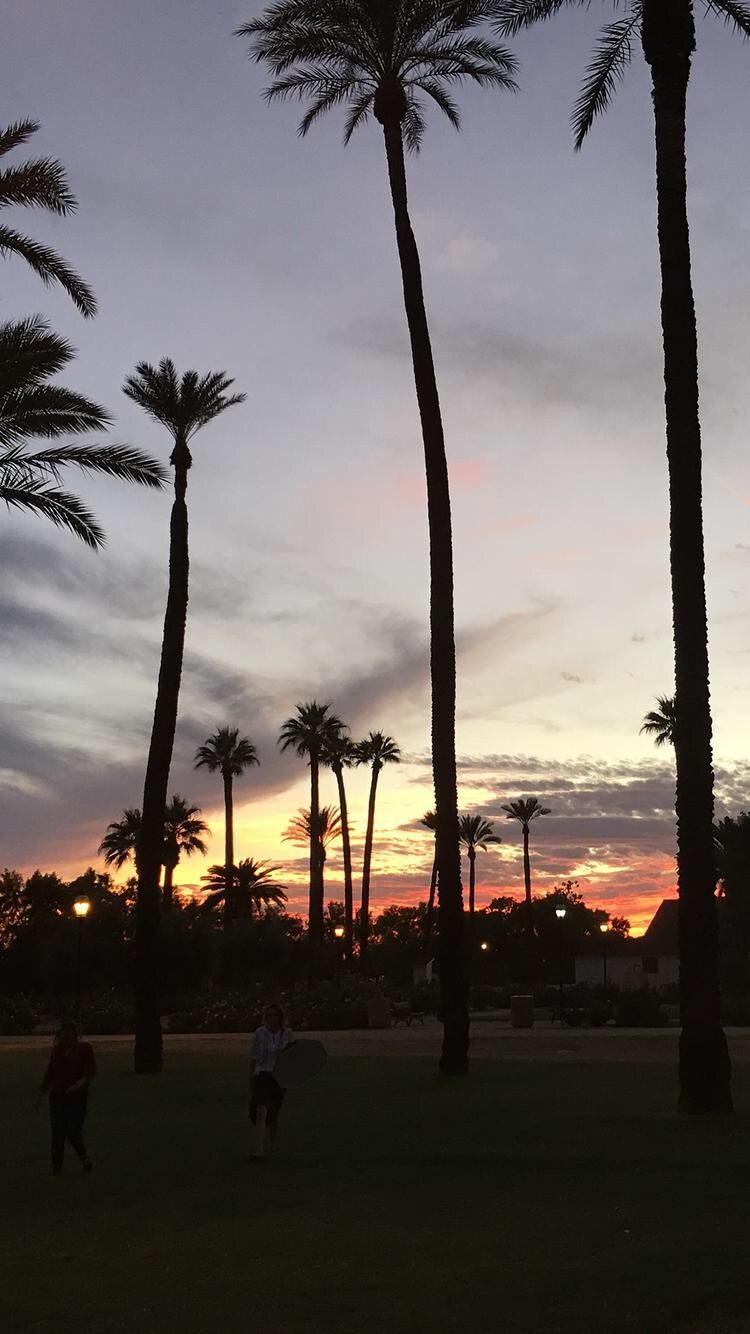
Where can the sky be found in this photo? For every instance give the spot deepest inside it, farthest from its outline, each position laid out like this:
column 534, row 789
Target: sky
column 212, row 234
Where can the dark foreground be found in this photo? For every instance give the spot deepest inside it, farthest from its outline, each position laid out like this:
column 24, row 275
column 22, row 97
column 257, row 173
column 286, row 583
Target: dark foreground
column 538, row 1196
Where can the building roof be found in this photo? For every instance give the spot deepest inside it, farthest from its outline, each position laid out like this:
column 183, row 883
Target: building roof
column 661, row 935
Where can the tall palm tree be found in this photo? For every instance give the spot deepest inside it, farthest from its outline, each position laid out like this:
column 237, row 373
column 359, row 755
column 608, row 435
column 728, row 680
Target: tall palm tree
column 184, row 406
column 668, row 39
column 32, row 409
column 322, row 829
column 253, row 887
column 229, row 754
column 526, row 810
column 428, row 820
column 379, row 56
column 339, row 754
column 309, row 732
column 475, row 832
column 39, row 183
column 183, row 832
column 660, row 722
column 377, row 750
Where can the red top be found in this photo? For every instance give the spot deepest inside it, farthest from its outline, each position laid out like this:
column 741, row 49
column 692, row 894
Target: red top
column 67, row 1065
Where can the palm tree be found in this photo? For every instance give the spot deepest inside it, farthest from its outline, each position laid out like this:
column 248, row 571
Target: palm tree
column 475, row 832
column 428, row 820
column 525, row 810
column 184, row 406
column 39, row 183
column 183, row 832
column 376, row 750
column 321, row 830
column 668, row 38
column 379, row 56
column 660, row 722
column 339, row 754
column 229, row 754
column 309, row 733
column 33, row 409
column 253, row 887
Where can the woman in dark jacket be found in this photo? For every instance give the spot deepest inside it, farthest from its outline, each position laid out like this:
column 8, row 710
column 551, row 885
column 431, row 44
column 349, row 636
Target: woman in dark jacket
column 69, row 1073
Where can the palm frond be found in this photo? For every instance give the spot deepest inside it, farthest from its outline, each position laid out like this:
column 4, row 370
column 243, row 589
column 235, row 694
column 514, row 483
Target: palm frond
column 49, row 266
column 12, row 136
column 359, row 112
column 732, row 12
column 38, row 184
column 60, row 507
column 510, row 17
column 614, row 53
column 30, row 352
column 122, row 461
column 49, row 411
column 183, row 405
column 443, row 100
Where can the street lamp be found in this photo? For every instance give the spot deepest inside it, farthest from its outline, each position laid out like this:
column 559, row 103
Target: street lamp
column 81, row 909
column 560, row 915
column 338, row 932
column 485, row 945
column 604, row 928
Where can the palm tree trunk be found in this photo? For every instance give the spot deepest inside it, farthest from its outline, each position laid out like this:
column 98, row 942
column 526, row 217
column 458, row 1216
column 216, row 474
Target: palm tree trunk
column 148, row 1035
column 705, row 1071
column 431, row 902
column 230, row 912
column 530, row 937
column 315, row 907
column 454, row 1000
column 472, row 882
column 346, row 848
column 364, row 917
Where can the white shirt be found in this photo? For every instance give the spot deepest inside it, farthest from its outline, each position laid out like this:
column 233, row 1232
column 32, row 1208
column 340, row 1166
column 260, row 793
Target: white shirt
column 267, row 1046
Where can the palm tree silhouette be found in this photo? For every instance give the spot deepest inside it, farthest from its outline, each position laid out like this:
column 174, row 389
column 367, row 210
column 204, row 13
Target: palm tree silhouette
column 184, row 406
column 668, row 38
column 33, row 409
column 253, row 888
column 429, row 822
column 660, row 722
column 229, row 754
column 475, row 832
column 183, row 832
column 376, row 750
column 379, row 58
column 339, row 754
column 525, row 810
column 320, row 830
column 39, row 183
column 308, row 733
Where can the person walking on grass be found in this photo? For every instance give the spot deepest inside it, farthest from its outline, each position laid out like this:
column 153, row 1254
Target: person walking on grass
column 71, row 1068
column 266, row 1096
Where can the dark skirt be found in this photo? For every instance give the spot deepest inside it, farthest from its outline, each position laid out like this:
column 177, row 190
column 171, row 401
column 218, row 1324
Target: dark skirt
column 265, row 1092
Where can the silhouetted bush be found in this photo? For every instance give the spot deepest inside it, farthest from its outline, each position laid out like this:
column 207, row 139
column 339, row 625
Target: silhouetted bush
column 640, row 1009
column 111, row 1012
column 17, row 1016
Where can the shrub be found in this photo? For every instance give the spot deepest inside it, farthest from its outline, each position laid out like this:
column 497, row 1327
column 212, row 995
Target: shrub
column 17, row 1016
column 640, row 1009
column 109, row 1013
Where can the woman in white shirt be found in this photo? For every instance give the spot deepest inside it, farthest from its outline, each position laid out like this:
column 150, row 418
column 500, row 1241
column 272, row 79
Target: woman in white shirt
column 266, row 1096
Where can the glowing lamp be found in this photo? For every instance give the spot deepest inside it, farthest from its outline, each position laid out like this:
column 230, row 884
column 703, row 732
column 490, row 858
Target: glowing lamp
column 338, row 932
column 604, row 927
column 560, row 912
column 484, row 945
column 81, row 907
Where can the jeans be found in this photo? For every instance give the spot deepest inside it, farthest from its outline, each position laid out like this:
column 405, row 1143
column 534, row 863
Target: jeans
column 67, row 1112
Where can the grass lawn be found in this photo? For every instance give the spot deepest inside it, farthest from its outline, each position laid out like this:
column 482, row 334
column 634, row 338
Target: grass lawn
column 534, row 1196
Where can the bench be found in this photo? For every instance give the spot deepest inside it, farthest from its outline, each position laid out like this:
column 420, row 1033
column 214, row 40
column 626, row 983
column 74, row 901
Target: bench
column 403, row 1013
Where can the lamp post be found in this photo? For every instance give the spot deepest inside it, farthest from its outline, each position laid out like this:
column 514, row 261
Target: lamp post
column 338, row 932
column 560, row 915
column 604, row 928
column 81, row 908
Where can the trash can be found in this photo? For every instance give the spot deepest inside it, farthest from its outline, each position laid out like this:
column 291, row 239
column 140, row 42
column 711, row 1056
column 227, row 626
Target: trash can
column 379, row 1012
column 522, row 1011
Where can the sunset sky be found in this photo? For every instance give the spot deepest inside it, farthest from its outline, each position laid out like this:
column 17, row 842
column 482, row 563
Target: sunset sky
column 213, row 235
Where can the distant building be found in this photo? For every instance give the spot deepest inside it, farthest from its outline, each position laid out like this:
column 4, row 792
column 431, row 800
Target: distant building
column 650, row 960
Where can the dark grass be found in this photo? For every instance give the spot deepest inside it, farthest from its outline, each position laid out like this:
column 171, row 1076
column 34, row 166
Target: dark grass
column 530, row 1197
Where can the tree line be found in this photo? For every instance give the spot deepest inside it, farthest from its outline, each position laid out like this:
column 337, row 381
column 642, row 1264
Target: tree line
column 381, row 59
